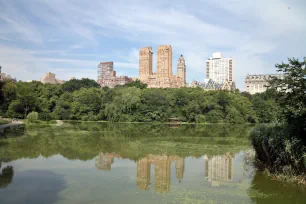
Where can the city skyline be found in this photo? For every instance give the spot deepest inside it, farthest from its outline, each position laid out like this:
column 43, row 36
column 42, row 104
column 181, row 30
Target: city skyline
column 40, row 36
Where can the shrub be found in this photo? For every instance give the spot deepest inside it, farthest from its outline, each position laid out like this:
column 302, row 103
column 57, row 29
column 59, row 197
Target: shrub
column 32, row 117
column 278, row 150
column 44, row 116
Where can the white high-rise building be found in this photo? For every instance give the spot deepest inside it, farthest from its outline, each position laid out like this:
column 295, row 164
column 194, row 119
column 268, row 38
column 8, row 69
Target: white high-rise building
column 219, row 69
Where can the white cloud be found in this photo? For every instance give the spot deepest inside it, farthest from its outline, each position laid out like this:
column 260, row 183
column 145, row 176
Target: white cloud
column 23, row 64
column 256, row 34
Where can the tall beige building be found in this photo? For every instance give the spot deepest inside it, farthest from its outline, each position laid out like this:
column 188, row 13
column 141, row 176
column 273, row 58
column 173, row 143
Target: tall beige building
column 163, row 78
column 181, row 69
column 164, row 61
column 145, row 62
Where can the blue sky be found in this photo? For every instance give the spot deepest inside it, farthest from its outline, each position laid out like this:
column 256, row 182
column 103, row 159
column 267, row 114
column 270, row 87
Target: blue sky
column 70, row 37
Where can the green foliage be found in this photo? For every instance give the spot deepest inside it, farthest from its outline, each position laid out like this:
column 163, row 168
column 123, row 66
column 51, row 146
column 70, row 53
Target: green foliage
column 76, row 84
column 137, row 84
column 32, row 117
column 278, row 150
column 291, row 92
column 281, row 148
column 3, row 122
column 44, row 116
column 133, row 102
column 86, row 140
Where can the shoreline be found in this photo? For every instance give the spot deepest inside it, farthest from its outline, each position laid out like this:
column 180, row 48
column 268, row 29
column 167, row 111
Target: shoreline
column 153, row 123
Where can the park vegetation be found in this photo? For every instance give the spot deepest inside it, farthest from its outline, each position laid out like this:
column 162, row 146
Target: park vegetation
column 281, row 148
column 134, row 102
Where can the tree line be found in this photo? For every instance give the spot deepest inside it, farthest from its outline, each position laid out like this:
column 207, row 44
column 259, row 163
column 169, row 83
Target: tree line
column 134, row 102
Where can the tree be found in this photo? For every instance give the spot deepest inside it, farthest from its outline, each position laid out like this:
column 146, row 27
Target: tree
column 32, row 117
column 76, row 84
column 292, row 94
column 137, row 84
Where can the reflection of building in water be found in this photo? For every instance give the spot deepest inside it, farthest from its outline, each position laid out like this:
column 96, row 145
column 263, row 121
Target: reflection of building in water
column 218, row 168
column 143, row 180
column 180, row 167
column 104, row 161
column 143, row 174
column 162, row 172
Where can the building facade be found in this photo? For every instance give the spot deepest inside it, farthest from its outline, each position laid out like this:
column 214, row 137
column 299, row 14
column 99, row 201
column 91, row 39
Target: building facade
column 163, row 78
column 145, row 62
column 50, row 78
column 164, row 61
column 181, row 69
column 107, row 76
column 258, row 83
column 219, row 68
column 211, row 85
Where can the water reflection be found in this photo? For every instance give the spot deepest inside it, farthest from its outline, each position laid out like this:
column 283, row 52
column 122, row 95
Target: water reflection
column 6, row 176
column 217, row 169
column 187, row 164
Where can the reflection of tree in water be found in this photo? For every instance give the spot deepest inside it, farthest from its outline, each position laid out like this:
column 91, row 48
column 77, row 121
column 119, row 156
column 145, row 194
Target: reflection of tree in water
column 264, row 190
column 33, row 186
column 85, row 140
column 6, row 176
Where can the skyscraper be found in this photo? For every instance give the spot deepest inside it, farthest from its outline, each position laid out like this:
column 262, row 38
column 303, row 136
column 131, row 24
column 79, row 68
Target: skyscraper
column 145, row 62
column 164, row 61
column 181, row 70
column 105, row 71
column 163, row 78
column 107, row 76
column 219, row 69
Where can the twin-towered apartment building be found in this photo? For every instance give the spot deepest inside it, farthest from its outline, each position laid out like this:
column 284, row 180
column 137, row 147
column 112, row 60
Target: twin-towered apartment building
column 163, row 78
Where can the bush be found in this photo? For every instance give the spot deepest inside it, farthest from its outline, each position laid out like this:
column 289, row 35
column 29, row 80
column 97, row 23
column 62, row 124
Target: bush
column 278, row 150
column 44, row 116
column 32, row 117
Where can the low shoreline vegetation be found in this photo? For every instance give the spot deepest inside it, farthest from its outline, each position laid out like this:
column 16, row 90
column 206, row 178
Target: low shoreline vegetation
column 281, row 148
column 279, row 151
column 3, row 122
column 85, row 100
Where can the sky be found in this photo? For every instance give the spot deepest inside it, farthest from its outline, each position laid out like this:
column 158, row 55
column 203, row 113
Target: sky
column 71, row 37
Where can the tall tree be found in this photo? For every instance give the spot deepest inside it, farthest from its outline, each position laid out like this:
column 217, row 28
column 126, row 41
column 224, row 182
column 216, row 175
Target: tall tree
column 292, row 94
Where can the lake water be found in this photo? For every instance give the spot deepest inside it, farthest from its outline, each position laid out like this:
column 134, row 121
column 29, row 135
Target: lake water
column 135, row 163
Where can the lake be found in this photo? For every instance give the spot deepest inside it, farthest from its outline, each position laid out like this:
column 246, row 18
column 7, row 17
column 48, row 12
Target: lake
column 135, row 163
